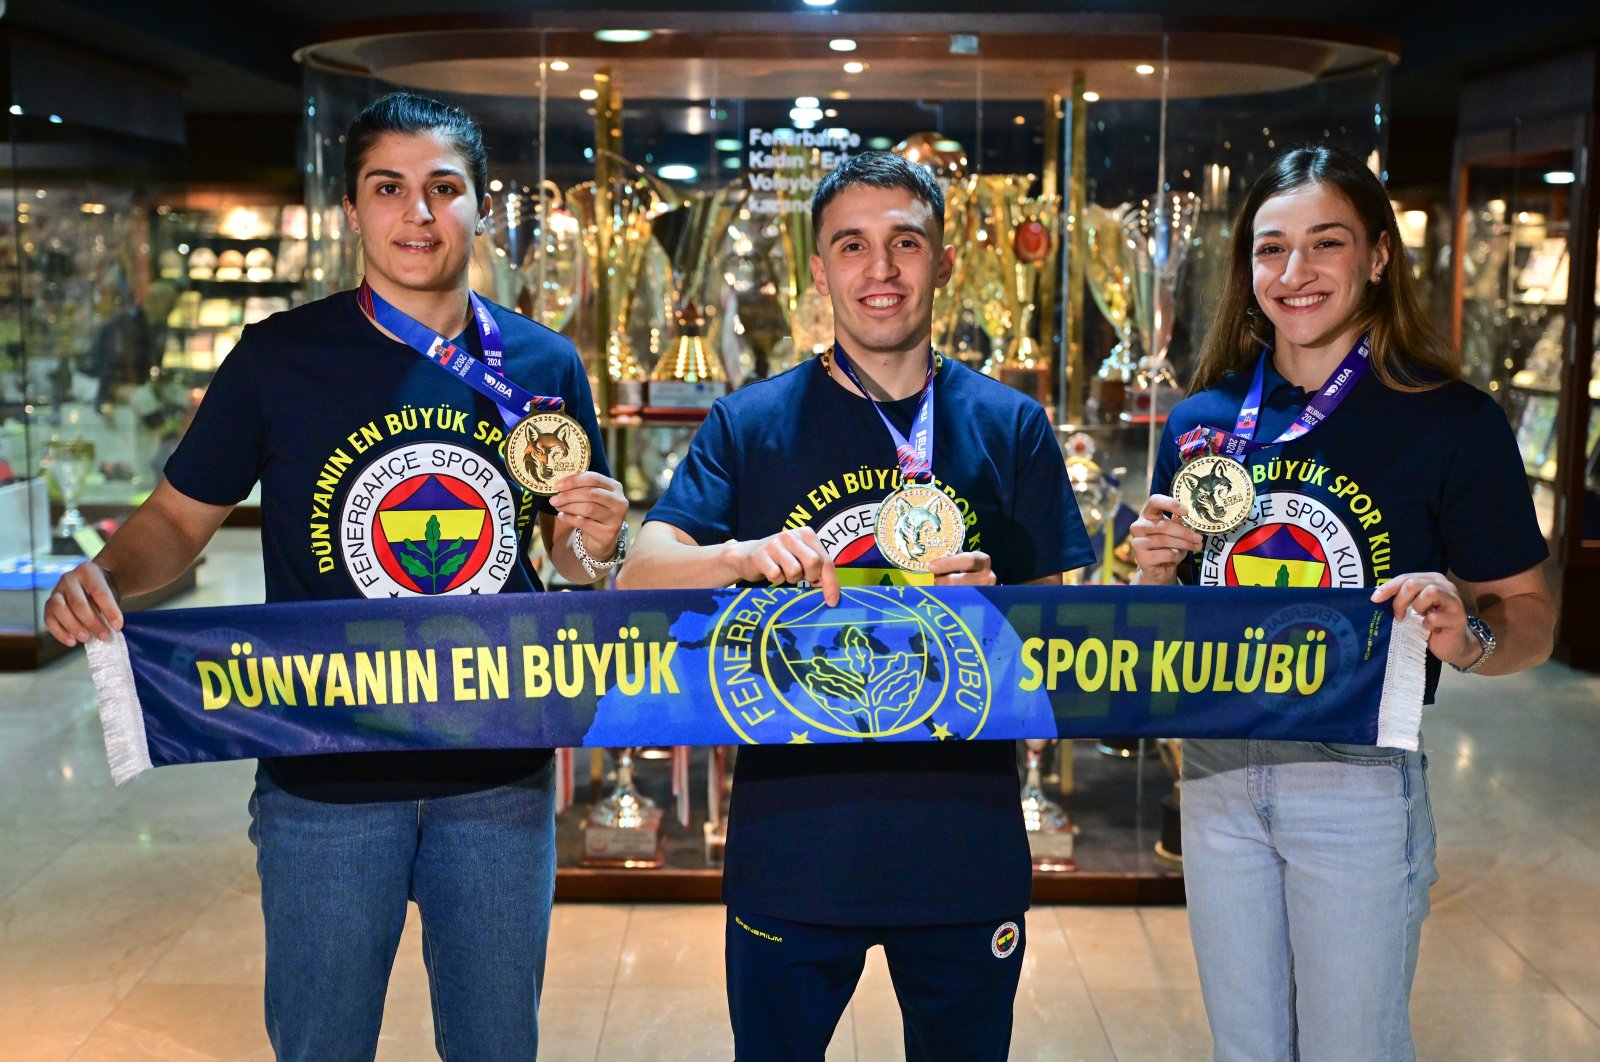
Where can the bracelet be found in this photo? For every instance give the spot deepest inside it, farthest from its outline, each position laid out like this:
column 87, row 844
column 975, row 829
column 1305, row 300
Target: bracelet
column 596, row 568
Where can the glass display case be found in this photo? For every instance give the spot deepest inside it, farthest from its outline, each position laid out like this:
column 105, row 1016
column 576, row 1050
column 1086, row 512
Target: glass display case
column 651, row 179
column 91, row 146
column 1524, row 306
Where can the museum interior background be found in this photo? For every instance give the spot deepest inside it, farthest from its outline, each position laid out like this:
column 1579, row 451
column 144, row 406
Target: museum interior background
column 171, row 179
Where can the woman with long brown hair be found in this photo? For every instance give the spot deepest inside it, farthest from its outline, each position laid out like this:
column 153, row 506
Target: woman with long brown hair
column 1329, row 441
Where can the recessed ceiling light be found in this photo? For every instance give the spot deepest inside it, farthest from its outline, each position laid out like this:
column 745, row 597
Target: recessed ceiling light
column 677, row 171
column 819, row 3
column 1091, row 97
column 806, row 102
column 558, row 65
column 588, row 94
column 854, row 67
column 727, row 143
column 1560, row 177
column 623, row 36
column 842, row 44
column 1144, row 69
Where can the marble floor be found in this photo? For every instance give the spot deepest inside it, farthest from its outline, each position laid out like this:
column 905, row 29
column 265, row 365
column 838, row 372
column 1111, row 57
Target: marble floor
column 130, row 926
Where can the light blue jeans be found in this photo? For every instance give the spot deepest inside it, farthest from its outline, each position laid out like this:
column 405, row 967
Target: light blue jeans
column 1307, row 868
column 335, row 881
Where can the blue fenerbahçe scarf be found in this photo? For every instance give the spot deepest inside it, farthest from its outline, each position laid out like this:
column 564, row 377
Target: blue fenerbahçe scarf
column 759, row 666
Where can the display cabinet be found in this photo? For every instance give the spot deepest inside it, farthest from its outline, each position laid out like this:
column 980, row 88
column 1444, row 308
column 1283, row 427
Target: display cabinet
column 651, row 178
column 91, row 146
column 1524, row 307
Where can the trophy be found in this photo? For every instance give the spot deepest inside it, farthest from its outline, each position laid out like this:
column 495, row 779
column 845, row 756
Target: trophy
column 1158, row 233
column 1170, row 847
column 1032, row 226
column 635, row 197
column 1098, row 494
column 68, row 463
column 624, row 829
column 690, row 376
column 528, row 256
column 1111, row 285
column 1050, row 830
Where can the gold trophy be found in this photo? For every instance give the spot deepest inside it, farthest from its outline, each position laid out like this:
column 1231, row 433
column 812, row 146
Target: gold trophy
column 689, row 376
column 1051, row 833
column 635, row 198
column 809, row 312
column 624, row 829
column 68, row 463
column 1111, row 284
column 1032, row 226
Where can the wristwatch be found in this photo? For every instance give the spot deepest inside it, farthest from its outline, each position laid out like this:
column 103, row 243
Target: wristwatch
column 1486, row 637
column 596, row 568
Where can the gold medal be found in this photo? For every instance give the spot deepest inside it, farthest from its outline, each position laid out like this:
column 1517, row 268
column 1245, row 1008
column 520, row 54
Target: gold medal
column 1217, row 491
column 918, row 523
column 543, row 447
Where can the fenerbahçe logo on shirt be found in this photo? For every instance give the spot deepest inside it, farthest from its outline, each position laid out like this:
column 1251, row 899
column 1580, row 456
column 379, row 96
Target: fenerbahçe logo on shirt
column 1290, row 539
column 429, row 518
column 884, row 661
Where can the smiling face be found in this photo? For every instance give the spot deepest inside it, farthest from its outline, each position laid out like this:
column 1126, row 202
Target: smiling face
column 1311, row 263
column 416, row 214
column 880, row 258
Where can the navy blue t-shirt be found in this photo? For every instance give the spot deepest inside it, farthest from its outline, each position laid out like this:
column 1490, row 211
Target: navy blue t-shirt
column 1392, row 482
column 893, row 833
column 359, row 443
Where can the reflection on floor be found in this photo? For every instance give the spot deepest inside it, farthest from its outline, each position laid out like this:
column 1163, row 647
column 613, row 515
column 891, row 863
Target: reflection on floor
column 130, row 926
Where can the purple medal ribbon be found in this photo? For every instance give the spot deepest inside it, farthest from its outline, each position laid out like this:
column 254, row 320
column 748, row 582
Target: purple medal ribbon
column 487, row 377
column 914, row 455
column 1240, row 442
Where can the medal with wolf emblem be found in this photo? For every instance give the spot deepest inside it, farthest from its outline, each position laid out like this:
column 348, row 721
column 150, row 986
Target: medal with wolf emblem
column 917, row 522
column 1217, row 491
column 1214, row 484
column 543, row 447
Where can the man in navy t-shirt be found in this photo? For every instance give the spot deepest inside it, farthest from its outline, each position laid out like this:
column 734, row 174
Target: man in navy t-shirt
column 917, row 846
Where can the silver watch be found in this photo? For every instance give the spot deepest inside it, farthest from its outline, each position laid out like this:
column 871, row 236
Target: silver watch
column 596, row 568
column 1486, row 637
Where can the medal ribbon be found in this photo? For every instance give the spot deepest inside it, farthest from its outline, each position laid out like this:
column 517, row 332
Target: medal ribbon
column 1241, row 441
column 914, row 455
column 487, row 377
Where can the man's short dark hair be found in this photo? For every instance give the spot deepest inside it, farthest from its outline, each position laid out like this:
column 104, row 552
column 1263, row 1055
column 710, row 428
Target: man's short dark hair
column 880, row 169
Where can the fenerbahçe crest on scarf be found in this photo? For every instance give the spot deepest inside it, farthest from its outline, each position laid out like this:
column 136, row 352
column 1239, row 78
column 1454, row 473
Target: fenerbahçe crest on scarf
column 884, row 662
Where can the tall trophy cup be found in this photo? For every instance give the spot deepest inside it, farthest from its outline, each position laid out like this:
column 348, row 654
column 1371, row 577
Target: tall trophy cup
column 68, row 463
column 809, row 312
column 1111, row 285
column 689, row 376
column 1158, row 233
column 635, row 198
column 624, row 829
column 1050, row 830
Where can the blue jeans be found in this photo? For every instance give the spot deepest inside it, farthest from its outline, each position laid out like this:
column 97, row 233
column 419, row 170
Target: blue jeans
column 335, row 880
column 1307, row 868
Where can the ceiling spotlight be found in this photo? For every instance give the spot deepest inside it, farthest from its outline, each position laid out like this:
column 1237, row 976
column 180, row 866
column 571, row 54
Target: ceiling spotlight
column 727, row 143
column 805, row 102
column 1144, row 69
column 1560, row 177
column 623, row 36
column 560, row 65
column 819, row 3
column 842, row 44
column 853, row 67
column 1091, row 97
column 677, row 171
column 588, row 94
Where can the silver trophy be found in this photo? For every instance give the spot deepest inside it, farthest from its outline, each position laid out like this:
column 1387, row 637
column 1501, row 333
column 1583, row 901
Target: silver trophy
column 624, row 829
column 1158, row 233
column 1050, row 829
column 68, row 463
